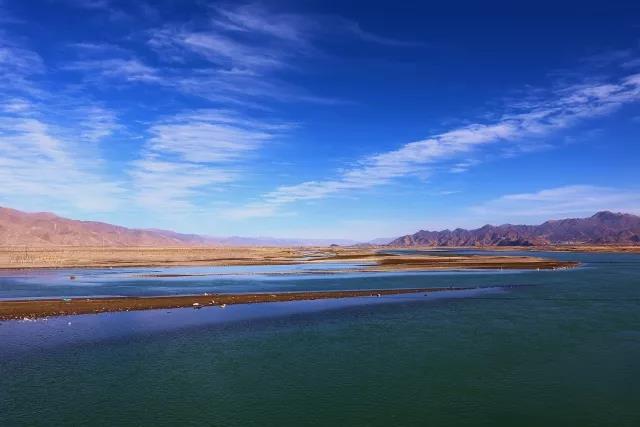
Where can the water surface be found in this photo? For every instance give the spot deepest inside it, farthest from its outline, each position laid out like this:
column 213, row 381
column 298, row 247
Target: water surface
column 553, row 347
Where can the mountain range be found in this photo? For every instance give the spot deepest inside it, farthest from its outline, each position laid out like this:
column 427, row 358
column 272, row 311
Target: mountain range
column 602, row 228
column 19, row 228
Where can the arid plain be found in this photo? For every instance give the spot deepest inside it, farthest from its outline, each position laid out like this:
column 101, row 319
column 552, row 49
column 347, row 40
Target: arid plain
column 355, row 259
column 373, row 258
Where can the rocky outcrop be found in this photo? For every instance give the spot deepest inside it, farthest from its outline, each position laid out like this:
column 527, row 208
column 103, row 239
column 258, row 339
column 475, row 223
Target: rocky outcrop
column 602, row 228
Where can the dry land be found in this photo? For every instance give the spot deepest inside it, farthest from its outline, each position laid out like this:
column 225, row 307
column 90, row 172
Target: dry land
column 372, row 259
column 596, row 248
column 613, row 248
column 78, row 256
column 31, row 309
column 475, row 262
column 359, row 259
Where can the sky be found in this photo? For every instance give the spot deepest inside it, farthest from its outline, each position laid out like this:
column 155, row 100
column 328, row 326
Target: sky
column 318, row 119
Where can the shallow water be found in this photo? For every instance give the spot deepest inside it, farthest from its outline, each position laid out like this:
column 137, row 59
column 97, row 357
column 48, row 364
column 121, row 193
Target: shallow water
column 154, row 281
column 554, row 347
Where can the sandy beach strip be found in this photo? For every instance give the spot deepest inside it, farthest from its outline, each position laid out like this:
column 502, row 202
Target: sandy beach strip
column 371, row 259
column 38, row 308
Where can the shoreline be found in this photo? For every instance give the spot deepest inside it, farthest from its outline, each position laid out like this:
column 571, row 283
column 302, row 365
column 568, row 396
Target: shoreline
column 42, row 308
column 374, row 259
column 586, row 248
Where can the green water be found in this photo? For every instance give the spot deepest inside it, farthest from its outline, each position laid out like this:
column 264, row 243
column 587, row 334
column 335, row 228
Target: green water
column 564, row 350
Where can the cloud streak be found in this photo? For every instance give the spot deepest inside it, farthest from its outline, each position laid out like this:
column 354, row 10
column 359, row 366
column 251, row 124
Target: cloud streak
column 231, row 59
column 191, row 154
column 558, row 202
column 129, row 70
column 37, row 164
column 237, row 54
column 565, row 107
column 49, row 145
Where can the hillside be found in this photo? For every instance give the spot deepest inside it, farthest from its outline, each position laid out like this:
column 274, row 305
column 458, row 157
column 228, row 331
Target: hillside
column 19, row 228
column 47, row 229
column 602, row 228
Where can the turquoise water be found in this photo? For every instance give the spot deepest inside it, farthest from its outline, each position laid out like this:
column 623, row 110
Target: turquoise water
column 525, row 348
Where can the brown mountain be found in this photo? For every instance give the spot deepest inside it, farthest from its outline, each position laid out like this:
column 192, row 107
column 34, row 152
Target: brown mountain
column 46, row 229
column 602, row 228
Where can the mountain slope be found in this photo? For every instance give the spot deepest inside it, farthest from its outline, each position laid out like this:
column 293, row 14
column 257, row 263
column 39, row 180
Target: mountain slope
column 47, row 229
column 602, row 228
column 19, row 228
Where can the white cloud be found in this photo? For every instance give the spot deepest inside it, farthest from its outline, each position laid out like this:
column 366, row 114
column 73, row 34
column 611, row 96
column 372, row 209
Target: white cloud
column 131, row 70
column 167, row 185
column 105, row 7
column 354, row 28
column 44, row 158
column 563, row 108
column 18, row 61
column 207, row 136
column 96, row 124
column 296, row 28
column 254, row 18
column 91, row 4
column 217, row 48
column 232, row 55
column 14, row 105
column 36, row 166
column 560, row 202
column 190, row 154
column 244, row 47
column 17, row 65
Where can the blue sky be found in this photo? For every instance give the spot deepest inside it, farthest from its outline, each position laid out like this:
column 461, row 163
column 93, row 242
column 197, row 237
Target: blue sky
column 319, row 119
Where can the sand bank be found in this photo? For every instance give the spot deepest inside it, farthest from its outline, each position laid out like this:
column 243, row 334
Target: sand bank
column 31, row 309
column 372, row 259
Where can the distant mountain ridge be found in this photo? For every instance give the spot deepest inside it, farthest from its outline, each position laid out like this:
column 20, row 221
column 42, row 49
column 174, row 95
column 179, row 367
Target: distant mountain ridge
column 47, row 229
column 602, row 228
column 19, row 228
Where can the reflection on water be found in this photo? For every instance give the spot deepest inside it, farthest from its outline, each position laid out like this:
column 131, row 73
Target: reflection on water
column 18, row 336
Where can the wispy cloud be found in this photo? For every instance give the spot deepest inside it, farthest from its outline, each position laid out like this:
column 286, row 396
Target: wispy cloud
column 255, row 18
column 534, row 118
column 105, row 7
column 17, row 65
column 96, row 124
column 190, row 154
column 208, row 136
column 559, row 202
column 236, row 55
column 355, row 29
column 15, row 60
column 294, row 28
column 217, row 48
column 90, row 4
column 233, row 57
column 119, row 69
column 230, row 64
column 170, row 185
column 36, row 164
column 44, row 158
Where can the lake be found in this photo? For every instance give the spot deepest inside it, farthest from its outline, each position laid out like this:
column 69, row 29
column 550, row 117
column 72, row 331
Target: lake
column 517, row 348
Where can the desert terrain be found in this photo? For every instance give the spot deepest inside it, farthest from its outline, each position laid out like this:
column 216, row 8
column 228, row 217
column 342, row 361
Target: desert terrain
column 32, row 309
column 372, row 259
